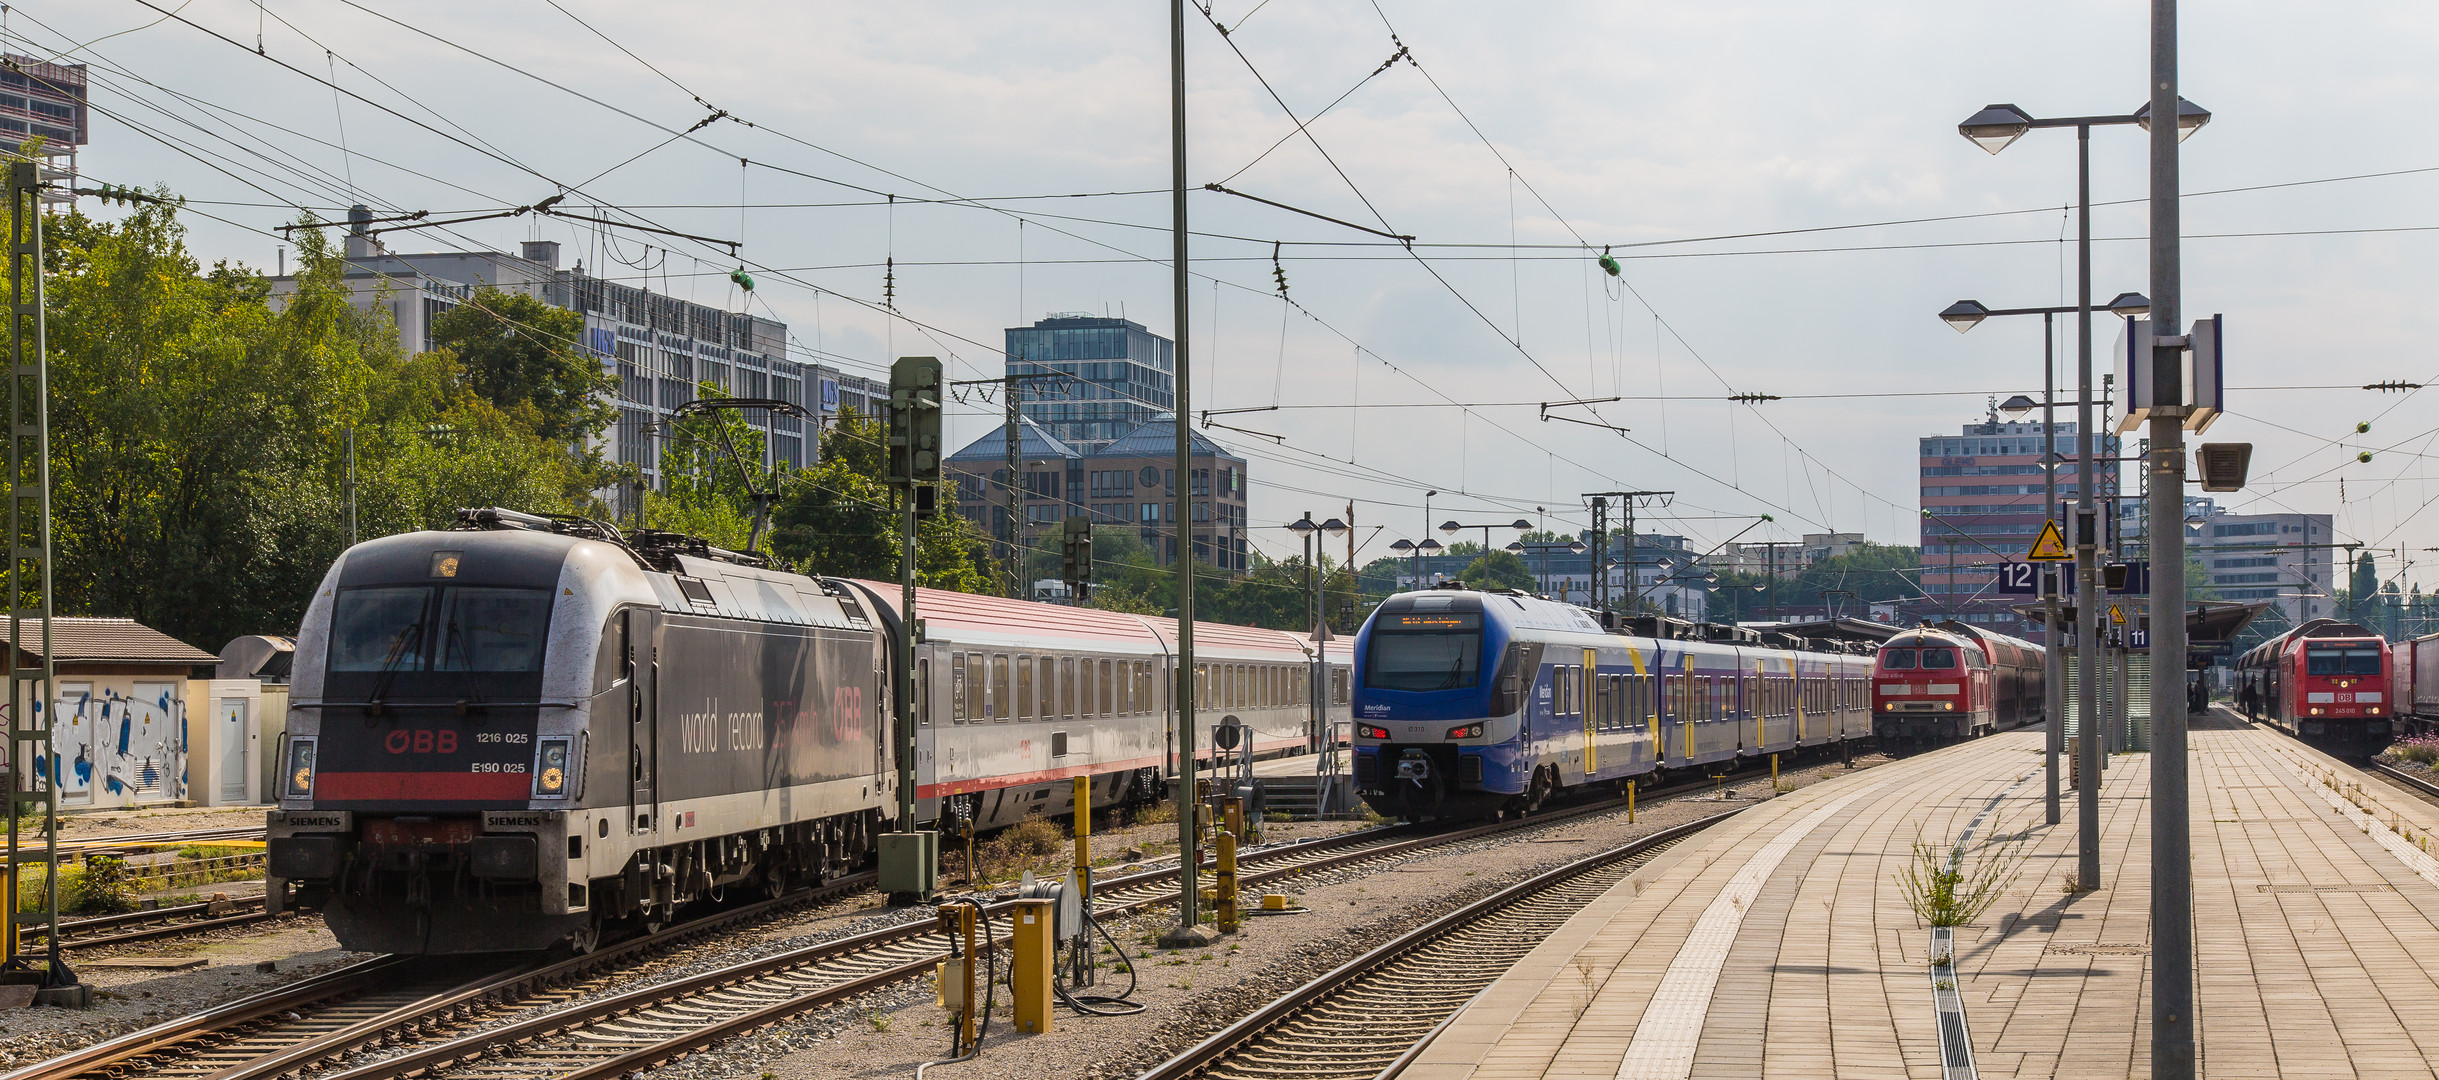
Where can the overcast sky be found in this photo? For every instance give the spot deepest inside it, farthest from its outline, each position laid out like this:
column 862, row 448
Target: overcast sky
column 1623, row 124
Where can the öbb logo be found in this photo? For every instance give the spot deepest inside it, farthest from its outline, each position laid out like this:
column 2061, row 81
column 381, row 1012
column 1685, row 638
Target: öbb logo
column 421, row 741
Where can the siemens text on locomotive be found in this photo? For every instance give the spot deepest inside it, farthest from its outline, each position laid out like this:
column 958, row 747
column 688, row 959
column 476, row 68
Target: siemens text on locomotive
column 2325, row 681
column 1476, row 703
column 527, row 731
column 1939, row 684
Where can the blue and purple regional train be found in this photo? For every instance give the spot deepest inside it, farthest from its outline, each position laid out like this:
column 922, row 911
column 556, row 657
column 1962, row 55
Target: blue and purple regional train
column 1475, row 704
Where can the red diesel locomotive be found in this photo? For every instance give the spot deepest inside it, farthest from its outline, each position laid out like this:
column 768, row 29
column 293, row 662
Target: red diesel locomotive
column 1936, row 684
column 2327, row 682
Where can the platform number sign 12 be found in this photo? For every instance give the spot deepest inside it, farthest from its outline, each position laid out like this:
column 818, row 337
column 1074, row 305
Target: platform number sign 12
column 2019, row 579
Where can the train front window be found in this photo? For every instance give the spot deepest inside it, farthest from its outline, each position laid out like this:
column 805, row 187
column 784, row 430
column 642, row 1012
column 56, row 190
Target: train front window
column 1938, row 659
column 484, row 629
column 378, row 629
column 1896, row 659
column 2341, row 661
column 1420, row 663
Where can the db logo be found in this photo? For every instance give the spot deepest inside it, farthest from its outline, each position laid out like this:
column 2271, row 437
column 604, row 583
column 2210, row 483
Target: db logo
column 421, row 741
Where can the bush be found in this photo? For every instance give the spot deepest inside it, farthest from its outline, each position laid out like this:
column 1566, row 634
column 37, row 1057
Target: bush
column 1036, row 836
column 2421, row 750
column 104, row 888
column 1156, row 814
column 1945, row 888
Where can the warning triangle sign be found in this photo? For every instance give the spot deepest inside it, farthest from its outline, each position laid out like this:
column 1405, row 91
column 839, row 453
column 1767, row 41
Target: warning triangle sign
column 2050, row 546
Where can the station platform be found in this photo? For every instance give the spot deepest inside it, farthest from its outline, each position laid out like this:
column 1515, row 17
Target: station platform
column 1780, row 943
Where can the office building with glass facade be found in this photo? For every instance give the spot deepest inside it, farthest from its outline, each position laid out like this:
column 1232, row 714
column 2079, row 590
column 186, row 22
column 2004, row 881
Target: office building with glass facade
column 1119, row 376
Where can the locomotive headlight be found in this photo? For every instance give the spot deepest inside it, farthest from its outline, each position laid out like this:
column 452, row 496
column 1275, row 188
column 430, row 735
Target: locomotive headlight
column 550, row 769
column 299, row 783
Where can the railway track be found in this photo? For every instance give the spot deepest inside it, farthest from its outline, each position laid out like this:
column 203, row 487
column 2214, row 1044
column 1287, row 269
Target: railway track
column 153, row 924
column 1366, row 1018
column 617, row 1035
column 2411, row 781
column 320, row 1022
column 383, row 1000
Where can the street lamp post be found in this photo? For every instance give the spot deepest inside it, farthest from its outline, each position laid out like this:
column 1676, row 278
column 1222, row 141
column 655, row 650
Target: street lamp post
column 2172, row 1054
column 1451, row 527
column 1417, row 552
column 1964, row 315
column 1572, row 547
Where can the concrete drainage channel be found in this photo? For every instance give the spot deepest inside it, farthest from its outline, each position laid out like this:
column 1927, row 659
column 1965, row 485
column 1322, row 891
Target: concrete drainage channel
column 1368, row 1017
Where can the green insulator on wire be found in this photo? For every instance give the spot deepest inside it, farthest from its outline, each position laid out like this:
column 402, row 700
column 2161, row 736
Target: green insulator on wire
column 2364, row 457
column 1608, row 263
column 744, row 280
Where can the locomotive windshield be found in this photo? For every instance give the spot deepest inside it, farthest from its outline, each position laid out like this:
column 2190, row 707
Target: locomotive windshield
column 1897, row 659
column 2318, row 661
column 439, row 628
column 1938, row 658
column 1423, row 651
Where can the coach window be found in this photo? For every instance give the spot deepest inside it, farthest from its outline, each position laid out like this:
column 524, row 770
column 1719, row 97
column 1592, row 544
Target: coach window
column 923, row 695
column 1144, row 695
column 1067, row 687
column 1050, row 686
column 1101, row 698
column 1024, row 689
column 996, row 705
column 957, row 687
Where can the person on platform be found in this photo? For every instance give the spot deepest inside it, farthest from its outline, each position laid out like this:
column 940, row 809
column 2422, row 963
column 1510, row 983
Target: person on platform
column 2252, row 700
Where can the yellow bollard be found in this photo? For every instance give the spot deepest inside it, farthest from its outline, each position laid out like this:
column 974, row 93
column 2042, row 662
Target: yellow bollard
column 1227, row 883
column 1029, row 976
column 1774, row 771
column 1631, row 785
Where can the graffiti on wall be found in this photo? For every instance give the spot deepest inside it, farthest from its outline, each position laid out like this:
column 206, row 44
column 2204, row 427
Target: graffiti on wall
column 118, row 745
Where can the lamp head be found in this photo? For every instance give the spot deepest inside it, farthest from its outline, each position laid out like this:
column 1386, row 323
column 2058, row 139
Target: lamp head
column 1450, row 526
column 1302, row 526
column 2018, row 406
column 1995, row 126
column 1520, row 525
column 2189, row 118
column 2130, row 304
column 1402, row 546
column 1430, row 547
column 1964, row 314
column 1334, row 527
column 1577, row 548
column 1516, row 546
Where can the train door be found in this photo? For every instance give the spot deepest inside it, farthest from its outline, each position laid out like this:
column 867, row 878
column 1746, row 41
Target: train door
column 1593, row 706
column 639, row 631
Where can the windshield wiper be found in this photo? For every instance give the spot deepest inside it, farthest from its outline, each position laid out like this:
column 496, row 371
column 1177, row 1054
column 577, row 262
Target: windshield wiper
column 452, row 641
column 405, row 645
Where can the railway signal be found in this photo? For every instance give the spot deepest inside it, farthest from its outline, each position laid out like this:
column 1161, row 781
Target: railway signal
column 910, row 858
column 1075, row 550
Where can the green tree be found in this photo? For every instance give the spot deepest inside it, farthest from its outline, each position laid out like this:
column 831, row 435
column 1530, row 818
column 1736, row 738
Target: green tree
column 839, row 517
column 200, row 425
column 1498, row 570
column 517, row 352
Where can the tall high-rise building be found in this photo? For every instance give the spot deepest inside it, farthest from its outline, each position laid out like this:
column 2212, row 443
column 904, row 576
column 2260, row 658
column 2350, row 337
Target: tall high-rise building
column 1981, row 497
column 1120, row 376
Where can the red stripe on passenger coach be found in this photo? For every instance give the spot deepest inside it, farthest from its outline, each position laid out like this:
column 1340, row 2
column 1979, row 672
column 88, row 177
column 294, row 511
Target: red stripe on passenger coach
column 1098, row 768
column 435, row 786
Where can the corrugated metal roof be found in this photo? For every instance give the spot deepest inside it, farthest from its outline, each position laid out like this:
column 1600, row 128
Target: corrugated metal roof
column 88, row 638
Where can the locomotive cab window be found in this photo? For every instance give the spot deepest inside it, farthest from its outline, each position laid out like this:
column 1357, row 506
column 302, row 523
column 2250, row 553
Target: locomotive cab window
column 449, row 628
column 1897, row 659
column 1939, row 659
column 1421, row 652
